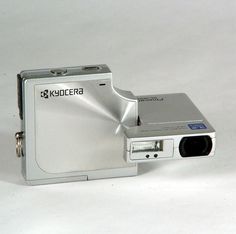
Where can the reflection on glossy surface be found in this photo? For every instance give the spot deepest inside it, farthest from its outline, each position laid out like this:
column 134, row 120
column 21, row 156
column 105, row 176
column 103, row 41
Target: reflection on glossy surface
column 83, row 132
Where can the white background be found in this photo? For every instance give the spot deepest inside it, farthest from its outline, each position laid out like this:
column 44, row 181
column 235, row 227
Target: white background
column 152, row 46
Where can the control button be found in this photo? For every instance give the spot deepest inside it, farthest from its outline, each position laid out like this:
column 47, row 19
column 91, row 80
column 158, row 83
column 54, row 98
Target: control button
column 59, row 71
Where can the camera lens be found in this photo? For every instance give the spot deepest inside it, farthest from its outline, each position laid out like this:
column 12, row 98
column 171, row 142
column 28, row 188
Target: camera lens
column 195, row 146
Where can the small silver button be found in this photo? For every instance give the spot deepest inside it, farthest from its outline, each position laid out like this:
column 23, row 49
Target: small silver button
column 59, row 71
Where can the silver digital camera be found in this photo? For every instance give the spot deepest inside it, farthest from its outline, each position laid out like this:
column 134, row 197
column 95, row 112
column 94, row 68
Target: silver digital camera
column 75, row 125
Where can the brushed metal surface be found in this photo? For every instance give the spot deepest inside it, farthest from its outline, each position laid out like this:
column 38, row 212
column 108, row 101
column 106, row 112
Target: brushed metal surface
column 82, row 132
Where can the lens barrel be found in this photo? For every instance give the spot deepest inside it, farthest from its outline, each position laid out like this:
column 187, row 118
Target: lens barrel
column 195, row 146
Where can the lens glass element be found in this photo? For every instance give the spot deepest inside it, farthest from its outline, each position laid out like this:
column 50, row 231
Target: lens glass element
column 195, row 146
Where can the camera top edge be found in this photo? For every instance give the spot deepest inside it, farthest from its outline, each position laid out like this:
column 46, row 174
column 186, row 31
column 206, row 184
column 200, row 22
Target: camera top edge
column 65, row 71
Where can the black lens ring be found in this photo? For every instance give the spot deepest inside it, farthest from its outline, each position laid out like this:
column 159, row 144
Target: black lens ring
column 195, row 146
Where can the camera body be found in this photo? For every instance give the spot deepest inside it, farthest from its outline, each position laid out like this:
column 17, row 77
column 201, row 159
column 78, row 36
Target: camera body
column 72, row 125
column 76, row 126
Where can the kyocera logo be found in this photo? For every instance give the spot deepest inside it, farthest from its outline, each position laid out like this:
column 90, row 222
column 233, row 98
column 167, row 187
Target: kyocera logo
column 61, row 92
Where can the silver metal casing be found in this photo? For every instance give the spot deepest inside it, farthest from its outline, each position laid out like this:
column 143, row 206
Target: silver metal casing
column 73, row 121
column 164, row 122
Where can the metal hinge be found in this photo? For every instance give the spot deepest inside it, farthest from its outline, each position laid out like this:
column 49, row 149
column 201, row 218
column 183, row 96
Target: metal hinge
column 19, row 144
